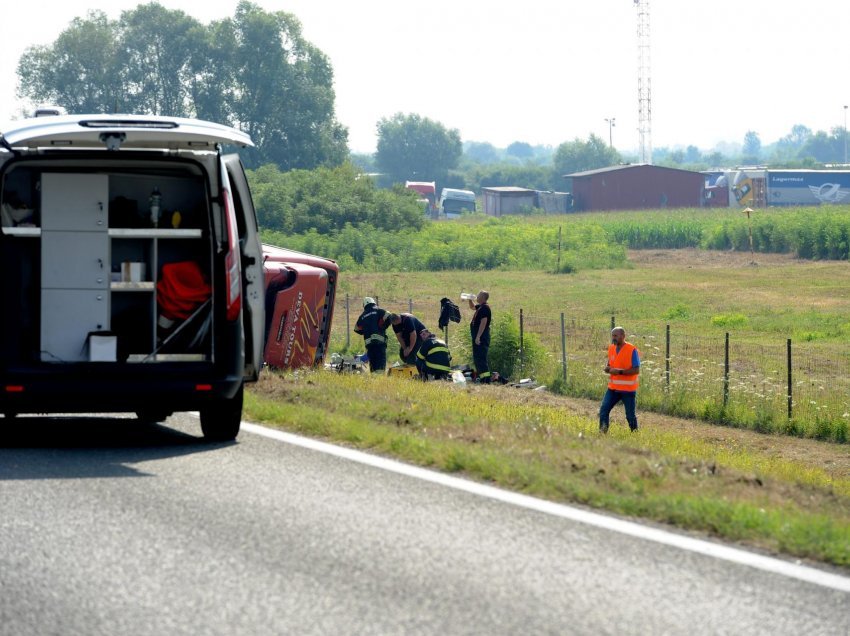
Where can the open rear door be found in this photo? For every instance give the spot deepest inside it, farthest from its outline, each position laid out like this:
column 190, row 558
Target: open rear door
column 253, row 293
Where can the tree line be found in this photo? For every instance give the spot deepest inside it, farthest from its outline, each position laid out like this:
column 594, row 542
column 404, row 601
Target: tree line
column 254, row 71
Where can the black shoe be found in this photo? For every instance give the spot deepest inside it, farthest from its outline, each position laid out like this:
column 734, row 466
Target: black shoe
column 603, row 428
column 635, row 429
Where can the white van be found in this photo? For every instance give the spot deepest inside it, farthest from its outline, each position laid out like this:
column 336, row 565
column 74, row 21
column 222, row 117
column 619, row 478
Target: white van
column 131, row 269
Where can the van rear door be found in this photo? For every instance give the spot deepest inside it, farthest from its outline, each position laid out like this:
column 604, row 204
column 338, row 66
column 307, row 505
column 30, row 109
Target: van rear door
column 253, row 294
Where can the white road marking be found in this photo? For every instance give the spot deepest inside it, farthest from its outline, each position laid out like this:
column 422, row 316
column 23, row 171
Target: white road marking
column 735, row 555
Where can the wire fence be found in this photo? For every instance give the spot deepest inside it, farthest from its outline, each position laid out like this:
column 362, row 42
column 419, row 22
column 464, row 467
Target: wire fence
column 797, row 388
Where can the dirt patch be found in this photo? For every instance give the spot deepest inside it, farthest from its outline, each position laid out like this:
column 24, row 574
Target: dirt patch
column 692, row 257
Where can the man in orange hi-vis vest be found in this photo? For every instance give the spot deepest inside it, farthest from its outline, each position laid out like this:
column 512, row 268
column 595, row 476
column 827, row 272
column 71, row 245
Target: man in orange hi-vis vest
column 623, row 368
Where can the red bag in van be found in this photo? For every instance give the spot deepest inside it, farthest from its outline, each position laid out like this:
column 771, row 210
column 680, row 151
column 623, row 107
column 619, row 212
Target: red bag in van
column 182, row 288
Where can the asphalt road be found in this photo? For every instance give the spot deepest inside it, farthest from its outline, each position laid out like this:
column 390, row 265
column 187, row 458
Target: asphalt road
column 111, row 527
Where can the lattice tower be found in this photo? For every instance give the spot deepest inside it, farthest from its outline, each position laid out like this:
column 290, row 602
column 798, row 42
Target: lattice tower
column 644, row 84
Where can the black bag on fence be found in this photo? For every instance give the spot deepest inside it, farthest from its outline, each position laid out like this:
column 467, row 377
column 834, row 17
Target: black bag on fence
column 448, row 311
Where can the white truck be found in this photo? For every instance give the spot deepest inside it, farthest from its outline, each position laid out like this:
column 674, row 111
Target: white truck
column 455, row 202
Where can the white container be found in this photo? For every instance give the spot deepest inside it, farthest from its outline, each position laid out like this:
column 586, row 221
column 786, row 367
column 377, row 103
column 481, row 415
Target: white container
column 102, row 347
column 465, row 296
column 132, row 272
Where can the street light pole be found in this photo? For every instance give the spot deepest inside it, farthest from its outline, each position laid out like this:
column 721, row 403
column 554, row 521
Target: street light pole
column 845, row 134
column 611, row 124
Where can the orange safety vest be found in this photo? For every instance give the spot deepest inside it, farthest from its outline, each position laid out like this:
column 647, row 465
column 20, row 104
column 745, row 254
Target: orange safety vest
column 622, row 360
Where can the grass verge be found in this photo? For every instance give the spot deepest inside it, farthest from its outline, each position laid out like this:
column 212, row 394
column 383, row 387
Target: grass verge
column 775, row 493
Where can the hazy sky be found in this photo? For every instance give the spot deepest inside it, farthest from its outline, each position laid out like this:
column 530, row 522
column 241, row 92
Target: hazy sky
column 543, row 71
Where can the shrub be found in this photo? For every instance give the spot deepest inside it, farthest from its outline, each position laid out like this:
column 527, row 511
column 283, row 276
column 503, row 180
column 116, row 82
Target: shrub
column 505, row 349
column 729, row 320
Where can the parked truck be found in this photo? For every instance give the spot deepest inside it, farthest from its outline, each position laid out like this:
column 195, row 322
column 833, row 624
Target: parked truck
column 455, row 202
column 761, row 187
column 428, row 191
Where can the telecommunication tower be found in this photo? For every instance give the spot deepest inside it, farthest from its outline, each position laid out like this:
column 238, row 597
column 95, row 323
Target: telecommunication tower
column 644, row 87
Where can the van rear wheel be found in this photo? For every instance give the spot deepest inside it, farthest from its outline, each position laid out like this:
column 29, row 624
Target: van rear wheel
column 220, row 421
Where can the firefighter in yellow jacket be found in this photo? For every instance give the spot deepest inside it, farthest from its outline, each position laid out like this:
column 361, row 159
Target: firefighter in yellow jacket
column 433, row 358
column 622, row 368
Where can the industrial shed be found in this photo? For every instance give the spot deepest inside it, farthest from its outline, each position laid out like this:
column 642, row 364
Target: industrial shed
column 634, row 187
column 507, row 200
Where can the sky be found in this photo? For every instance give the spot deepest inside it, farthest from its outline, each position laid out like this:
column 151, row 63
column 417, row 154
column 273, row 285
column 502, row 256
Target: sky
column 542, row 71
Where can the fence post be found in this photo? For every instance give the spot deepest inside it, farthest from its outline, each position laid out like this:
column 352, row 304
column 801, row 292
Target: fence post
column 410, row 305
column 667, row 362
column 347, row 325
column 790, row 401
column 558, row 269
column 564, row 349
column 726, row 373
column 613, row 322
column 521, row 345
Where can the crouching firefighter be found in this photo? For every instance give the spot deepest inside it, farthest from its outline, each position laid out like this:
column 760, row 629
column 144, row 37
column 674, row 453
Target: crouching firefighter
column 433, row 358
column 372, row 325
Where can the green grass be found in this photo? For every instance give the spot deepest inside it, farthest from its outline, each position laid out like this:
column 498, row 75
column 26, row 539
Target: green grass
column 702, row 296
column 738, row 488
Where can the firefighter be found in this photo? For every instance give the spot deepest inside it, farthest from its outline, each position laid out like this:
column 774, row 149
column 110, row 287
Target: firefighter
column 372, row 325
column 479, row 328
column 407, row 328
column 433, row 358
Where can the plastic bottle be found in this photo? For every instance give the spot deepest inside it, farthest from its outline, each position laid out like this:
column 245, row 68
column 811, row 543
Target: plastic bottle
column 155, row 203
column 465, row 296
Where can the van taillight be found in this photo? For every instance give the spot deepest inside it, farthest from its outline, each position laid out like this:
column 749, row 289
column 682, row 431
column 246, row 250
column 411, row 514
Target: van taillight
column 232, row 269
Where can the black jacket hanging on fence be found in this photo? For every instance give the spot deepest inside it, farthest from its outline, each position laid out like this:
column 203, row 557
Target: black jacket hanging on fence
column 448, row 311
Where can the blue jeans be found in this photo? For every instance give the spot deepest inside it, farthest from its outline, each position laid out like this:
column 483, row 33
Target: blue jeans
column 610, row 400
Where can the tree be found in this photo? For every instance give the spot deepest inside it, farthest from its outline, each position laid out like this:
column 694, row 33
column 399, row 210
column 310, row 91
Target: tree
column 577, row 156
column 81, row 71
column 283, row 93
column 520, row 150
column 823, row 147
column 480, row 152
column 254, row 71
column 411, row 147
column 752, row 147
column 327, row 200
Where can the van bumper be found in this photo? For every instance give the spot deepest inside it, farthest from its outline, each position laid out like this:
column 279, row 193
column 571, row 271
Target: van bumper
column 90, row 389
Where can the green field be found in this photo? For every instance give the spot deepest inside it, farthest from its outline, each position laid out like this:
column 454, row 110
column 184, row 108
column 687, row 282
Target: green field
column 701, row 295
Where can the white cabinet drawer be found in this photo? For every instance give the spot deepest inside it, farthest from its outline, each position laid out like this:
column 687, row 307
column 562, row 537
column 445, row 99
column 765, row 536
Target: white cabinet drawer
column 67, row 318
column 74, row 201
column 75, row 260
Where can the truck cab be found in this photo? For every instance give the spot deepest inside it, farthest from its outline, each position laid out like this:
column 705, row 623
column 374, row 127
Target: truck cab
column 455, row 202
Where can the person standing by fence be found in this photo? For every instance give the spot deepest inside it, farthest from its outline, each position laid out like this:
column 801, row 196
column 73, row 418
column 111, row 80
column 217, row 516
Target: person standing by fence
column 623, row 368
column 480, row 331
column 372, row 325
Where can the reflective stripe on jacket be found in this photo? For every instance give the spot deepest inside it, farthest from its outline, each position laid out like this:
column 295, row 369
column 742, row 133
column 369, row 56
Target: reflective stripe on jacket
column 434, row 354
column 372, row 325
column 622, row 360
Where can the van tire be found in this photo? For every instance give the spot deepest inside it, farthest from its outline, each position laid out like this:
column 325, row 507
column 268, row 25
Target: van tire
column 220, row 421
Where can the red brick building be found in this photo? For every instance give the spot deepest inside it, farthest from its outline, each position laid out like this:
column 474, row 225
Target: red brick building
column 635, row 187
